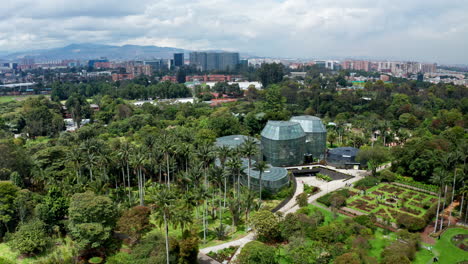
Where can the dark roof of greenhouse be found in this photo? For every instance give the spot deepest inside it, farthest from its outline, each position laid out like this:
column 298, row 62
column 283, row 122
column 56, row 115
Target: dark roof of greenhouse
column 282, row 130
column 271, row 174
column 233, row 141
column 344, row 151
column 310, row 124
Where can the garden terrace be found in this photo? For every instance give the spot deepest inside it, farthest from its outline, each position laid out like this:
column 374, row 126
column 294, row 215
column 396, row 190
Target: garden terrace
column 388, row 201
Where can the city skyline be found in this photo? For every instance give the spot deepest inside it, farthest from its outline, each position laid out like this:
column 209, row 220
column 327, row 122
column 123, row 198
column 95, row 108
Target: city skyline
column 430, row 31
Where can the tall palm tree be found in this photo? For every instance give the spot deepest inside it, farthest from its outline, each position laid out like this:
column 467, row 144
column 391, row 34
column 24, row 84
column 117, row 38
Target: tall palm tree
column 249, row 149
column 437, row 179
column 455, row 158
column 75, row 158
column 446, row 182
column 167, row 147
column 138, row 160
column 163, row 210
column 234, row 165
column 223, row 153
column 124, row 155
column 261, row 167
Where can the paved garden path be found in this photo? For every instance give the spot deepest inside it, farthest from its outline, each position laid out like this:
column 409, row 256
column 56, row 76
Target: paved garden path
column 292, row 206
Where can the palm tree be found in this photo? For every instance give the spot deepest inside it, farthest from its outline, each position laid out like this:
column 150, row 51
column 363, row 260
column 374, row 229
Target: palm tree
column 75, row 158
column 138, row 160
column 167, row 148
column 260, row 166
column 223, row 153
column 249, row 149
column 234, row 166
column 163, row 210
column 446, row 182
column 455, row 158
column 124, row 156
column 184, row 150
column 463, row 192
column 437, row 179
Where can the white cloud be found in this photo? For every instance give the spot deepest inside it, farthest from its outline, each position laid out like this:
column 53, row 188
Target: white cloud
column 429, row 30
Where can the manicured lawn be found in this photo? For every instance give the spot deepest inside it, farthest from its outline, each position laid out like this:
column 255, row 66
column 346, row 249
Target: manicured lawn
column 444, row 249
column 387, row 200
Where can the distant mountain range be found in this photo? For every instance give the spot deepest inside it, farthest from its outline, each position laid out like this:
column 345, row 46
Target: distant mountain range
column 94, row 51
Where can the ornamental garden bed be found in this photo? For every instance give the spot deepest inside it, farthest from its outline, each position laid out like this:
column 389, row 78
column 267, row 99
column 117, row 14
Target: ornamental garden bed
column 389, row 201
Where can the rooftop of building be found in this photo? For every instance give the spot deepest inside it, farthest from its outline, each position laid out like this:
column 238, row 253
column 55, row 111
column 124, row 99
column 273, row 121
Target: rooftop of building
column 270, row 174
column 344, row 151
column 282, row 130
column 233, row 141
column 310, row 124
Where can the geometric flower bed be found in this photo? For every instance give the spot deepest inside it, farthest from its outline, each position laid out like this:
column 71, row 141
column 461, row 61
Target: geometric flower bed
column 386, row 201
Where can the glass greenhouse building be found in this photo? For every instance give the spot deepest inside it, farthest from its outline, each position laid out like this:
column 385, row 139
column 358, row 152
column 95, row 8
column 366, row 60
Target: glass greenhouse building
column 342, row 157
column 283, row 143
column 273, row 178
column 233, row 141
column 316, row 135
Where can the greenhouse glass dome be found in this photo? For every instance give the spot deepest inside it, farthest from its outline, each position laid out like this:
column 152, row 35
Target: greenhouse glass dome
column 283, row 143
column 273, row 178
column 316, row 135
column 233, row 141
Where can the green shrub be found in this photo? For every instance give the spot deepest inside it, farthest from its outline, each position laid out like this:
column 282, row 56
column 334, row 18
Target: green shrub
column 301, row 199
column 95, row 260
column 6, row 261
column 120, row 258
column 326, row 199
column 366, row 182
column 310, row 189
column 410, row 222
column 30, row 238
column 266, row 224
column 323, row 177
column 223, row 254
column 388, row 176
column 258, row 253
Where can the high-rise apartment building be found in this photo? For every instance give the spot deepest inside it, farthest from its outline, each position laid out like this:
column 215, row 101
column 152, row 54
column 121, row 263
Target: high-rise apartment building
column 208, row 61
column 178, row 59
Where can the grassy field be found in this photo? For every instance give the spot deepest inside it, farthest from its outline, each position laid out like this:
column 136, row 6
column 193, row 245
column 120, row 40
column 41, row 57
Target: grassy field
column 444, row 249
column 5, row 99
column 386, row 201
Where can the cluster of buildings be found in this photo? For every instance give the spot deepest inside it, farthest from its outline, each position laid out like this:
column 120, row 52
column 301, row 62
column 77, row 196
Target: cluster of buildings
column 215, row 61
column 396, row 68
column 290, row 144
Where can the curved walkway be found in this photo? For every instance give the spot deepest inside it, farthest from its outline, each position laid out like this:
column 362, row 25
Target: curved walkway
column 291, row 206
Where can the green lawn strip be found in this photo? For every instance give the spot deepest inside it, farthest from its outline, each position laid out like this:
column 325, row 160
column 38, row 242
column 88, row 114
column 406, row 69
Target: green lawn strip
column 5, row 99
column 448, row 252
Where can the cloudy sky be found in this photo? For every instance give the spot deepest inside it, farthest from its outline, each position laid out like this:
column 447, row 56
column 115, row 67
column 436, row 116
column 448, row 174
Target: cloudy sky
column 423, row 30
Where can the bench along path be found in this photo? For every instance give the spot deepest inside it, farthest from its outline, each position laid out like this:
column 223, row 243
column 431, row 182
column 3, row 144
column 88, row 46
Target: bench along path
column 291, row 206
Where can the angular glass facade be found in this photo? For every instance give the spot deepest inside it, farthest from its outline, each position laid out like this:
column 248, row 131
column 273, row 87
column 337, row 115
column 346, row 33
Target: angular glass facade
column 283, row 143
column 339, row 157
column 273, row 178
column 316, row 135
